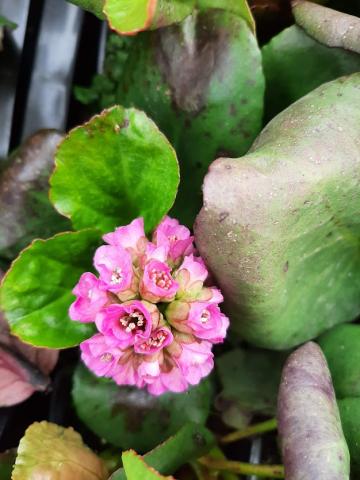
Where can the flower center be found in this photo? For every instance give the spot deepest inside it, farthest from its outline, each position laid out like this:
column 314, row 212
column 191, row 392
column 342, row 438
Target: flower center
column 106, row 357
column 134, row 323
column 173, row 238
column 155, row 341
column 161, row 279
column 116, row 276
column 205, row 316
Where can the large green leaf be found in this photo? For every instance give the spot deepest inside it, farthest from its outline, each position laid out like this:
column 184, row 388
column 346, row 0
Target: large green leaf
column 7, row 460
column 116, row 167
column 25, row 210
column 250, row 380
column 294, row 64
column 189, row 443
column 280, row 227
column 36, row 292
column 131, row 418
column 202, row 82
column 350, row 419
column 341, row 346
column 48, row 451
column 312, row 440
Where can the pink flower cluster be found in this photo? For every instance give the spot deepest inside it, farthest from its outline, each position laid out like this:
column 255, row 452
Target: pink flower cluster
column 156, row 318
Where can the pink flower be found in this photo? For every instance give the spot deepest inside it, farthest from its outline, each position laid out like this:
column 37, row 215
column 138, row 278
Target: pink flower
column 171, row 381
column 115, row 268
column 196, row 361
column 126, row 323
column 201, row 319
column 207, row 322
column 191, row 276
column 131, row 237
column 127, row 370
column 139, row 342
column 90, row 299
column 176, row 237
column 100, row 355
column 157, row 284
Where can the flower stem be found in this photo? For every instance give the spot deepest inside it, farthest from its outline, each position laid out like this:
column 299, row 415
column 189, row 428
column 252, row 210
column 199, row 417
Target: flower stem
column 262, row 427
column 272, row 471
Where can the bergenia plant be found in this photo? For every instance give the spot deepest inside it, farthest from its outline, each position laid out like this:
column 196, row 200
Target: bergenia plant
column 156, row 316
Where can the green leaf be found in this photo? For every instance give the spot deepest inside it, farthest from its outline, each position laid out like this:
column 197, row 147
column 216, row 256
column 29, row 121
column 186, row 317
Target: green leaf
column 128, row 17
column 93, row 6
column 312, row 440
column 36, row 292
column 280, row 227
column 250, row 380
column 341, row 346
column 294, row 64
column 240, row 7
column 350, row 419
column 131, row 418
column 189, row 443
column 327, row 26
column 7, row 460
column 4, row 22
column 136, row 468
column 116, row 167
column 53, row 452
column 212, row 107
column 25, row 210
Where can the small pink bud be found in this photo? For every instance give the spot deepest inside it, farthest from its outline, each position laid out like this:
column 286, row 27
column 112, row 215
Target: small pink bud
column 157, row 284
column 191, row 276
column 175, row 237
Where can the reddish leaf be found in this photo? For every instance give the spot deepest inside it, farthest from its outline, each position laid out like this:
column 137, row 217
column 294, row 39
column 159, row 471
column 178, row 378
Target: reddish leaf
column 23, row 369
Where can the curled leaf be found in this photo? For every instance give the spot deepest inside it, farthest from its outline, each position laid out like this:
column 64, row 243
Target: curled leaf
column 136, row 468
column 53, row 452
column 328, row 26
column 190, row 442
column 312, row 440
column 279, row 228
